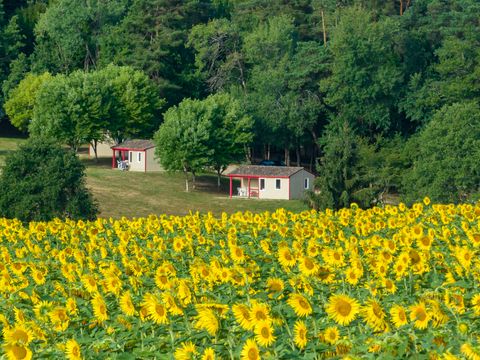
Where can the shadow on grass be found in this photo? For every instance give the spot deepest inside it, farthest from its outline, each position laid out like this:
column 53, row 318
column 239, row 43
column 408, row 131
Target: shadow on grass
column 100, row 163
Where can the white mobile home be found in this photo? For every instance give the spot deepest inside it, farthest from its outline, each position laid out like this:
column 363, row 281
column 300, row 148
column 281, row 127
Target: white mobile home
column 271, row 182
column 135, row 155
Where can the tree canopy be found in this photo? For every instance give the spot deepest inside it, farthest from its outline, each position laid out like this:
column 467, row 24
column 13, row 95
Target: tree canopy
column 298, row 69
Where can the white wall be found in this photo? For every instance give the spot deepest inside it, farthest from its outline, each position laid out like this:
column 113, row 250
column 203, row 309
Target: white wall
column 152, row 163
column 103, row 149
column 270, row 191
column 134, row 164
column 297, row 184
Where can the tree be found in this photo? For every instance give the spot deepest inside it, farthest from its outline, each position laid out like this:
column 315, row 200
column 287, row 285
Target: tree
column 21, row 100
column 182, row 141
column 230, row 132
column 199, row 133
column 67, row 34
column 57, row 113
column 133, row 100
column 152, row 37
column 84, row 107
column 366, row 71
column 445, row 156
column 42, row 181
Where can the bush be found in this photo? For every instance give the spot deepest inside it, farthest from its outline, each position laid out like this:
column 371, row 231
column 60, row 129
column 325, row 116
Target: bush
column 42, row 181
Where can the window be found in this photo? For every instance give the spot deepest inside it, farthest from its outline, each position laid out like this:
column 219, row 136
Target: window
column 130, row 156
column 139, row 156
column 278, row 184
column 262, row 184
column 306, row 183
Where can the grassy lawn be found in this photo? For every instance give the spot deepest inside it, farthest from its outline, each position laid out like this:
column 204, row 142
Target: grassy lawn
column 132, row 194
column 7, row 145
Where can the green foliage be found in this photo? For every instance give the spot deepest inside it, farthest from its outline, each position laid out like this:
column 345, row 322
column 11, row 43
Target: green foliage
column 366, row 73
column 42, row 181
column 196, row 134
column 445, row 156
column 83, row 107
column 21, row 100
column 182, row 142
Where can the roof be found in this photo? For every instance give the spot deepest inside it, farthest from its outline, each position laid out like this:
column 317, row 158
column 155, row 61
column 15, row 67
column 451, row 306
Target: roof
column 135, row 144
column 257, row 170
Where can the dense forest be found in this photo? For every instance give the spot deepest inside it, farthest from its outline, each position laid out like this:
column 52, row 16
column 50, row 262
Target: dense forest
column 377, row 96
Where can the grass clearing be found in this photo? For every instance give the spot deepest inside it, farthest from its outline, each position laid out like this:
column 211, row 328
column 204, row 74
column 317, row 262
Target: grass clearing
column 7, row 145
column 136, row 194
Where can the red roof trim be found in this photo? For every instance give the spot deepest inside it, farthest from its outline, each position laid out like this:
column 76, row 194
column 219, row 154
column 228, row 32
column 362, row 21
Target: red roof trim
column 130, row 149
column 258, row 176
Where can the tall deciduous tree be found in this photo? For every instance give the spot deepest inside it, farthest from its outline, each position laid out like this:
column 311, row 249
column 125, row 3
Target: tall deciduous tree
column 21, row 100
column 183, row 139
column 84, row 107
column 199, row 133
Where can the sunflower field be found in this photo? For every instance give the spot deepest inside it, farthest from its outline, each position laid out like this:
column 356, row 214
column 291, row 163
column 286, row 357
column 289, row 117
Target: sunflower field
column 386, row 282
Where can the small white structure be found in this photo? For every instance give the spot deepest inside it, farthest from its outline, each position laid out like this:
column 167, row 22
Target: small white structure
column 271, row 182
column 104, row 148
column 135, row 155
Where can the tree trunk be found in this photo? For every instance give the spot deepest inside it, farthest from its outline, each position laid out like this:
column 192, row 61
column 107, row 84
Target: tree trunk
column 312, row 158
column 401, row 7
column 219, row 174
column 287, row 156
column 268, row 151
column 248, row 154
column 297, row 152
column 95, row 149
column 193, row 180
column 185, row 172
column 324, row 29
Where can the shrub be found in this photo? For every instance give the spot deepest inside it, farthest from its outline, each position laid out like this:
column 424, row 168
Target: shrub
column 42, row 181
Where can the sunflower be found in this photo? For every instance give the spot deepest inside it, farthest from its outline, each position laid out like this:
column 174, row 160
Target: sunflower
column 469, row 352
column 156, row 310
column 300, row 334
column 126, row 304
column 342, row 309
column 419, row 314
column 89, row 283
column 242, row 316
column 308, row 266
column 352, row 275
column 476, row 304
column 71, row 306
column 186, row 351
column 374, row 315
column 72, row 350
column 399, row 316
column 206, row 320
column 250, row 351
column 237, row 254
column 99, row 308
column 275, row 285
column 259, row 312
column 331, row 335
column 208, row 354
column 264, row 333
column 285, row 257
column 18, row 335
column 18, row 352
column 300, row 305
